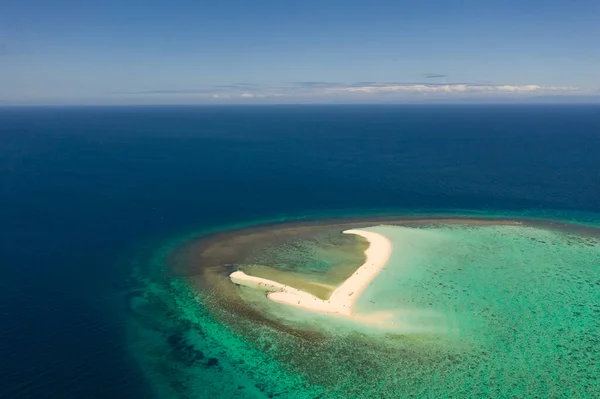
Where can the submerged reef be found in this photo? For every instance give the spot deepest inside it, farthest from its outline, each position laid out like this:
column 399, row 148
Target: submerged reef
column 474, row 307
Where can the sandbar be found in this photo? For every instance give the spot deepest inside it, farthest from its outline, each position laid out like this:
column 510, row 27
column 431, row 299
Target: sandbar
column 344, row 297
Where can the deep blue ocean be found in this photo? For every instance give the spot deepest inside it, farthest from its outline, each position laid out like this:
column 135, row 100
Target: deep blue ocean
column 83, row 190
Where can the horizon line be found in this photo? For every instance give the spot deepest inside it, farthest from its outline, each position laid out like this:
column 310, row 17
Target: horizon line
column 240, row 104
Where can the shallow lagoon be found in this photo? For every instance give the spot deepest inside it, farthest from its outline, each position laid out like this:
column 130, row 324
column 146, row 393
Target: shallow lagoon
column 522, row 302
column 474, row 310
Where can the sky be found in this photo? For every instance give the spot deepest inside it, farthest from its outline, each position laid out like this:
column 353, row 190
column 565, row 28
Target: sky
column 119, row 52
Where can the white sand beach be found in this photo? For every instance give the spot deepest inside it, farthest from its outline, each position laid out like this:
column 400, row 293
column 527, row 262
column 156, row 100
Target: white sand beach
column 343, row 298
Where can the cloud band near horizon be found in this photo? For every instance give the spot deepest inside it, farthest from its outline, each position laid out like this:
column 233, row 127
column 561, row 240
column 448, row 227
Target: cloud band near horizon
column 323, row 90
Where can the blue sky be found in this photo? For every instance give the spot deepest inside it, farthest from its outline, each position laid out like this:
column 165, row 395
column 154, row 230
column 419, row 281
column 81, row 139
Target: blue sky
column 231, row 51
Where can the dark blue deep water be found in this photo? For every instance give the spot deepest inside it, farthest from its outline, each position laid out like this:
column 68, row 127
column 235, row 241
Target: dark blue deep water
column 82, row 189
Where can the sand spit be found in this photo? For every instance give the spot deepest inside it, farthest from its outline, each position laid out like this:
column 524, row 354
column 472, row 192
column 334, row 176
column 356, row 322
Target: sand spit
column 343, row 298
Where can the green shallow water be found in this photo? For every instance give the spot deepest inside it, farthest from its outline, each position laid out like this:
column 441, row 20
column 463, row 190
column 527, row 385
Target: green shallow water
column 486, row 311
column 523, row 302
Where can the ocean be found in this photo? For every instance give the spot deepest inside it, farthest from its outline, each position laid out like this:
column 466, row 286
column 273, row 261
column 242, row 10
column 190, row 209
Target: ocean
column 89, row 193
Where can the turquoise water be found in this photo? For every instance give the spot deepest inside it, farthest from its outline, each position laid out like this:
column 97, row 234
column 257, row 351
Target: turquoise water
column 185, row 351
column 473, row 311
column 523, row 302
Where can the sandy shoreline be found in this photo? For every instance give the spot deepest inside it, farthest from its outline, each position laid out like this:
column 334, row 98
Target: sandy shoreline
column 206, row 261
column 343, row 298
column 233, row 246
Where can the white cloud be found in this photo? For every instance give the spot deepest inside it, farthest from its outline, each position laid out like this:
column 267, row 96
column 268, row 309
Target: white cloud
column 449, row 88
column 371, row 92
